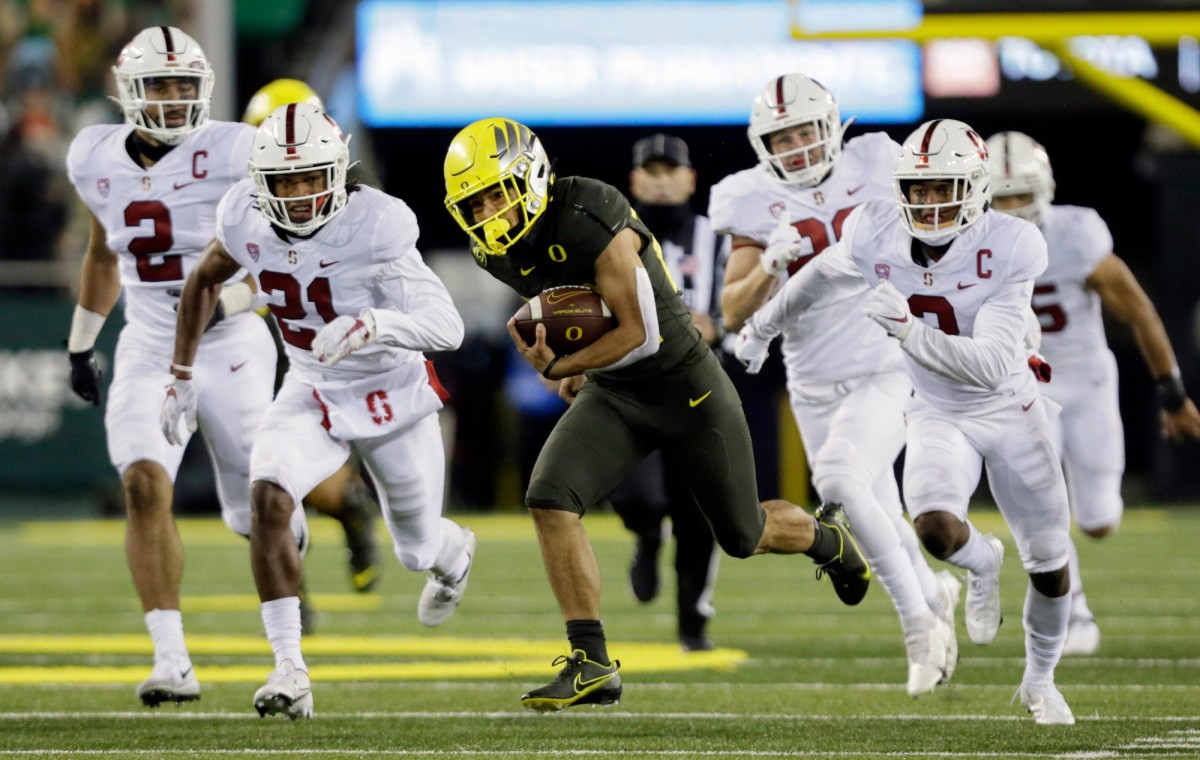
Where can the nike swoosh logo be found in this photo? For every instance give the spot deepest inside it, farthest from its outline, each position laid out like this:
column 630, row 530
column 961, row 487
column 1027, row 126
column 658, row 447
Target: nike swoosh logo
column 581, row 684
column 187, row 672
column 324, row 264
column 181, row 185
column 855, row 190
column 236, row 367
column 694, row 402
column 968, row 285
column 896, row 319
column 525, row 271
column 1025, row 407
column 554, row 298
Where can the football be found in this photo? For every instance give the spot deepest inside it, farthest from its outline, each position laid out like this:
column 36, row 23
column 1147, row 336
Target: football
column 575, row 317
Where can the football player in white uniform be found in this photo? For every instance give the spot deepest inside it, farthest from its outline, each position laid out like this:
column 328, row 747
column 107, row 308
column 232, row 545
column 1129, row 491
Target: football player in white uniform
column 951, row 283
column 846, row 379
column 152, row 186
column 356, row 305
column 1082, row 275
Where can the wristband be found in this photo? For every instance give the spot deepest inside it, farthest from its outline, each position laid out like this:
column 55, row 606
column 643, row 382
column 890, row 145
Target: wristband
column 1171, row 393
column 179, row 369
column 550, row 366
column 85, row 327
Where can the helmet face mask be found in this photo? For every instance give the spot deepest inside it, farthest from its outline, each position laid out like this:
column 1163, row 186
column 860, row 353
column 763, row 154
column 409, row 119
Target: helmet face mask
column 498, row 181
column 942, row 180
column 803, row 114
column 164, row 84
column 1021, row 167
column 294, row 146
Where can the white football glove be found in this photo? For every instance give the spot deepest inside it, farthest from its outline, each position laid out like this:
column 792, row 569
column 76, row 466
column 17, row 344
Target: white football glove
column 783, row 247
column 890, row 311
column 180, row 401
column 343, row 335
column 751, row 348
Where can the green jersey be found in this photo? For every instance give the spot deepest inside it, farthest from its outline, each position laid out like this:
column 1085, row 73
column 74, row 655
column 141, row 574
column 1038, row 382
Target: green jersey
column 583, row 217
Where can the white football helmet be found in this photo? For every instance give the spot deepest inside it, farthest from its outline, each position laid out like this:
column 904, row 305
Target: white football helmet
column 1020, row 166
column 789, row 101
column 950, row 151
column 295, row 139
column 163, row 52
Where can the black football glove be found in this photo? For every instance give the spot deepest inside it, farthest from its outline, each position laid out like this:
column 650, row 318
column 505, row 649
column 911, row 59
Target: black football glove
column 218, row 313
column 85, row 375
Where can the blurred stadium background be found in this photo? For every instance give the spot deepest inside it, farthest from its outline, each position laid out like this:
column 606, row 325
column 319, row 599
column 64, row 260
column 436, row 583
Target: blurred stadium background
column 1110, row 88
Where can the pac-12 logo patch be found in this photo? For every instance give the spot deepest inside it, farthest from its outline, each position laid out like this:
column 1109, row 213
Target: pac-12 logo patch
column 883, row 271
column 776, row 208
column 252, row 249
column 103, row 185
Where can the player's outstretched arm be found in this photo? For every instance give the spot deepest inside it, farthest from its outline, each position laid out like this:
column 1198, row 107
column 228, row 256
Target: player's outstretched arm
column 99, row 288
column 199, row 299
column 1121, row 293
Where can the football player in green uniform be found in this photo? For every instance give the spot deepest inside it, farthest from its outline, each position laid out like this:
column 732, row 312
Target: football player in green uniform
column 651, row 383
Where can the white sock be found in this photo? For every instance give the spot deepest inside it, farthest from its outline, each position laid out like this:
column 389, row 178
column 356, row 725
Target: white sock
column 925, row 575
column 895, row 571
column 975, row 555
column 452, row 560
column 1045, row 621
column 1079, row 605
column 166, row 631
column 281, row 619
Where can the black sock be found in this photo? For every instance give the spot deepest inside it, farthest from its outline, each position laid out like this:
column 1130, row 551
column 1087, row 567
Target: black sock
column 826, row 545
column 588, row 635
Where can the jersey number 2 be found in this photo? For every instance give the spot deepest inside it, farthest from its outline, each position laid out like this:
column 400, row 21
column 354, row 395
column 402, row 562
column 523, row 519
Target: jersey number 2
column 146, row 247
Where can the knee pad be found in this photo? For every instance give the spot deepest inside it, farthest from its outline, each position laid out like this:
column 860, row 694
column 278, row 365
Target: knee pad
column 1096, row 501
column 1047, row 551
column 840, row 459
column 237, row 520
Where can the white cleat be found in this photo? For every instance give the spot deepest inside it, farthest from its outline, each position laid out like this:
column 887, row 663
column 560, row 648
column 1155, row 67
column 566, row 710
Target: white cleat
column 440, row 599
column 926, row 657
column 983, row 616
column 288, row 692
column 949, row 587
column 173, row 679
column 1083, row 637
column 1046, row 702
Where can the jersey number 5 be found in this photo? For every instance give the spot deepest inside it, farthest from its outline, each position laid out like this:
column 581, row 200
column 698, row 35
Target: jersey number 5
column 292, row 308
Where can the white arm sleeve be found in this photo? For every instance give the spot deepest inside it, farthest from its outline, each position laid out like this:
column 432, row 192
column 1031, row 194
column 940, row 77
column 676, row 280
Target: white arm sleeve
column 825, row 275
column 645, row 292
column 1033, row 332
column 989, row 355
column 418, row 313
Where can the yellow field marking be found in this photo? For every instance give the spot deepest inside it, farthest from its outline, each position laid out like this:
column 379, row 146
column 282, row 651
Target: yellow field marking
column 484, row 658
column 210, row 531
column 250, row 602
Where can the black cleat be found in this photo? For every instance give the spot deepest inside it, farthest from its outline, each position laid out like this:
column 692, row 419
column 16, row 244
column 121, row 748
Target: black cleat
column 362, row 549
column 580, row 682
column 643, row 571
column 848, row 569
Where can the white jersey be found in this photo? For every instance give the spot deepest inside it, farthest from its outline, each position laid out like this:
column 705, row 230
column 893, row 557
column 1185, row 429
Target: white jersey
column 366, row 257
column 831, row 341
column 979, row 290
column 157, row 220
column 1069, row 311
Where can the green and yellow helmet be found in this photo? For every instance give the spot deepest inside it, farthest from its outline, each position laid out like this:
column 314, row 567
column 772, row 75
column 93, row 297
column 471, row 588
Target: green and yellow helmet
column 280, row 92
column 497, row 152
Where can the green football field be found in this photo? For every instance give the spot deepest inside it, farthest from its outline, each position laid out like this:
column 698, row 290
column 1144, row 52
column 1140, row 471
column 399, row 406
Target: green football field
column 796, row 674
